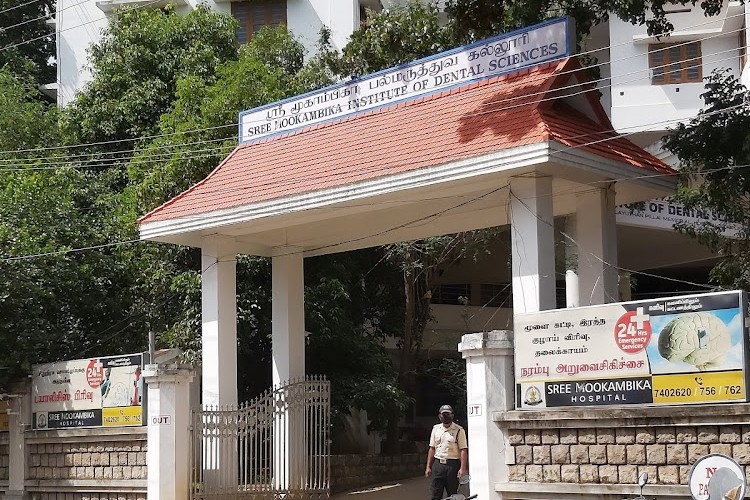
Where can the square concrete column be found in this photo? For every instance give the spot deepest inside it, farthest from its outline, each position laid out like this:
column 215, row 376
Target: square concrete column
column 19, row 416
column 219, row 317
column 490, row 388
column 168, row 454
column 288, row 314
column 288, row 337
column 597, row 247
column 532, row 244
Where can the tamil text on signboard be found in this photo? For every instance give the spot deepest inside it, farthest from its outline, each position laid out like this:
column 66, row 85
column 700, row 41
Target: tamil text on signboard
column 494, row 56
column 675, row 350
column 95, row 392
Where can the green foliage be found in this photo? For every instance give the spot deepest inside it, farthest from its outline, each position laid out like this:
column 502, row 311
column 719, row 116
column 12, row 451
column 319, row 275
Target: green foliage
column 27, row 39
column 136, row 67
column 26, row 121
column 714, row 153
column 392, row 37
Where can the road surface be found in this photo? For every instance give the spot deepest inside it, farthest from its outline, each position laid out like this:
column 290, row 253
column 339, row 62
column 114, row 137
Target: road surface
column 417, row 488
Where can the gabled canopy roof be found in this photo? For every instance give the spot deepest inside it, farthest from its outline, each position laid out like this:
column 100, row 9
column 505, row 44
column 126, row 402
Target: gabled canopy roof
column 547, row 115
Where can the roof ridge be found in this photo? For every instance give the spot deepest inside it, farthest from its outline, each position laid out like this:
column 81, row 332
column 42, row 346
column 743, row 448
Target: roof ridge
column 174, row 199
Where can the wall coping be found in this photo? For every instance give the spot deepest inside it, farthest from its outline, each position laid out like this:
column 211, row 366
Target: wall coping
column 87, row 485
column 520, row 490
column 96, row 435
column 619, row 416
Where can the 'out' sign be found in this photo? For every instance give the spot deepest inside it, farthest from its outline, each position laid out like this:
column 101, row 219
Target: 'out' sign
column 475, row 410
column 161, row 420
column 717, row 476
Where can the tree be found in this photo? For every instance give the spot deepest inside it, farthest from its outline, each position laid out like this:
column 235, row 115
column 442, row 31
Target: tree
column 346, row 308
column 714, row 153
column 136, row 66
column 27, row 40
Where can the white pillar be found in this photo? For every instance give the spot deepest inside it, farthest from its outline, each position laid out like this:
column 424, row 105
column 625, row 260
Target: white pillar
column 490, row 388
column 572, row 297
column 597, row 247
column 288, row 314
column 19, row 414
column 288, row 337
column 219, row 316
column 168, row 454
column 532, row 244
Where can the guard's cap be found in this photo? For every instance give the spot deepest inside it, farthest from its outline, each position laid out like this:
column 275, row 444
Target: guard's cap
column 446, row 409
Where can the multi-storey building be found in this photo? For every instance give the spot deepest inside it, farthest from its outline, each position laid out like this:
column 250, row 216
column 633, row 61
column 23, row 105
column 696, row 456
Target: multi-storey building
column 79, row 24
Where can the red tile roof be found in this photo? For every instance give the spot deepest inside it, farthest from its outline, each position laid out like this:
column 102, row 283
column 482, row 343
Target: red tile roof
column 469, row 121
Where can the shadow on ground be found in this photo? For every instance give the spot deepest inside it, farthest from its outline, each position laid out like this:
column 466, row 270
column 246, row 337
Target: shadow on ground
column 404, row 489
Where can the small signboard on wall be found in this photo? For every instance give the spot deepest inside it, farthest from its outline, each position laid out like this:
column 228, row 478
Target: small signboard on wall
column 677, row 350
column 96, row 392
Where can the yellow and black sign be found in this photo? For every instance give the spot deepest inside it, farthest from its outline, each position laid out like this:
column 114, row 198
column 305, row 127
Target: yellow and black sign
column 702, row 387
column 128, row 415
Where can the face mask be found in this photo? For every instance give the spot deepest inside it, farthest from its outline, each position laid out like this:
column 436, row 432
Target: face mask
column 446, row 418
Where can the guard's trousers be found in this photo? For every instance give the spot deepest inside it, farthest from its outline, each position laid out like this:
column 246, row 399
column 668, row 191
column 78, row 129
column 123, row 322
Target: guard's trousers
column 444, row 478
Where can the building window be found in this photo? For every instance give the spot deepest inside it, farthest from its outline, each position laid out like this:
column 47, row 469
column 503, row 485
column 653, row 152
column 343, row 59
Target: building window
column 496, row 295
column 255, row 14
column 743, row 48
column 675, row 63
column 452, row 294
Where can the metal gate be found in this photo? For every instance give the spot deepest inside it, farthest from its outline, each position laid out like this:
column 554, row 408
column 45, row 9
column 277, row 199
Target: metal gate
column 275, row 446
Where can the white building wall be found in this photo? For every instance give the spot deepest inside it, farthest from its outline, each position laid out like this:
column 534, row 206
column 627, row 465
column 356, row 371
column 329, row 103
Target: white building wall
column 639, row 106
column 79, row 25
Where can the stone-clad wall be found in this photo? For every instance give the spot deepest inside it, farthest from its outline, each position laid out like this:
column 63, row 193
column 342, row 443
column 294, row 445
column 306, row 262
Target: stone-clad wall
column 87, row 464
column 100, row 460
column 608, row 447
column 619, row 455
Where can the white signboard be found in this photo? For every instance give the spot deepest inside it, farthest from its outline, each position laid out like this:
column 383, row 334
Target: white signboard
column 664, row 214
column 677, row 350
column 106, row 391
column 509, row 52
column 718, row 477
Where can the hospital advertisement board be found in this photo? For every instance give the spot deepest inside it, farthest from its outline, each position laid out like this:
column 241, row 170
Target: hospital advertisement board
column 668, row 351
column 94, row 392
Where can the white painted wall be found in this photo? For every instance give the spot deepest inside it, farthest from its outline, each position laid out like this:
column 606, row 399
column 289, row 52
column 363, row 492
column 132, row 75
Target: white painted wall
column 636, row 104
column 305, row 18
column 80, row 22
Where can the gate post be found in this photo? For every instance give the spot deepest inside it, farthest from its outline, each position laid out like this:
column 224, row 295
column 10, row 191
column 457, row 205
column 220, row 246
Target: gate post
column 19, row 416
column 168, row 453
column 490, row 388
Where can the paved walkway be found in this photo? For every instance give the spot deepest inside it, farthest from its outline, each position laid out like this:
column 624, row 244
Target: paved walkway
column 405, row 489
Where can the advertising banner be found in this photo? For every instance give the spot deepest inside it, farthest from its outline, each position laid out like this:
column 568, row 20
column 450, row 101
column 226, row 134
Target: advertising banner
column 545, row 42
column 678, row 350
column 98, row 392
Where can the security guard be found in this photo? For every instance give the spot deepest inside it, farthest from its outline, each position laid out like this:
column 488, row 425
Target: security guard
column 448, row 455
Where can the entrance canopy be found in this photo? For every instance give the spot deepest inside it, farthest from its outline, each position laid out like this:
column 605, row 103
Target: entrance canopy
column 435, row 165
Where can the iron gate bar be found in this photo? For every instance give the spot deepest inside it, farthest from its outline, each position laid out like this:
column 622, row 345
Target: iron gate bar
column 232, row 452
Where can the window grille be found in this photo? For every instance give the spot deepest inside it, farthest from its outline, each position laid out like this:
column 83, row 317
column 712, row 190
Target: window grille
column 675, row 63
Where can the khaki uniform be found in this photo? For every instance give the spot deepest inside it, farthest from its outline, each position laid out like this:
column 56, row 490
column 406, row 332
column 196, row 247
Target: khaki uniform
column 448, row 443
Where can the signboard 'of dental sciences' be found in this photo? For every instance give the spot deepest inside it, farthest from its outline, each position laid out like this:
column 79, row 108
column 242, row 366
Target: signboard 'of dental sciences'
column 545, row 42
column 678, row 350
